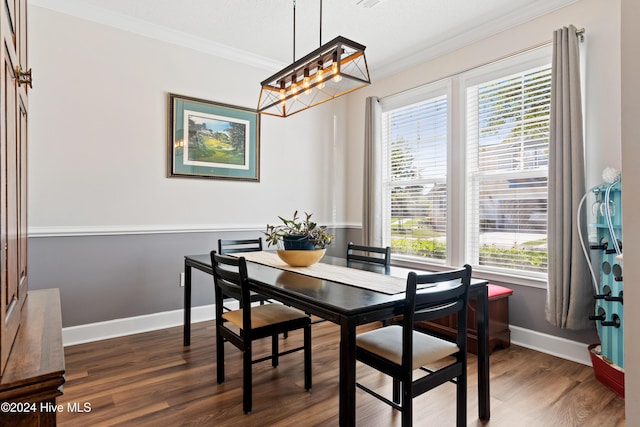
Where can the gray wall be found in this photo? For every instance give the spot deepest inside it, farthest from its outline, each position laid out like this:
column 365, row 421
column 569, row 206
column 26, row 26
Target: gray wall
column 526, row 310
column 111, row 277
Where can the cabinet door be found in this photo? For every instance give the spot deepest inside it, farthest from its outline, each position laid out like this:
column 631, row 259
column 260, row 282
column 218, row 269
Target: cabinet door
column 13, row 174
column 10, row 297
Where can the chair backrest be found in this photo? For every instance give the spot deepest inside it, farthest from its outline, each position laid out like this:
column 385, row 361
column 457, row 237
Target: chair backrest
column 235, row 246
column 370, row 254
column 230, row 278
column 451, row 295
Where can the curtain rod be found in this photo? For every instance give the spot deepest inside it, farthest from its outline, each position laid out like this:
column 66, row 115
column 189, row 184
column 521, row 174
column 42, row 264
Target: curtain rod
column 580, row 32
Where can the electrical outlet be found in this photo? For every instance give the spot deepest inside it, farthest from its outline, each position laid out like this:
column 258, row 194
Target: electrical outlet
column 182, row 280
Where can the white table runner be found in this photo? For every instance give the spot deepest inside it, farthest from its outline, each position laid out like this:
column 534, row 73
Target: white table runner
column 335, row 273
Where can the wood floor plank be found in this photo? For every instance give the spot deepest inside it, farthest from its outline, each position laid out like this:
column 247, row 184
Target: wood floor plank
column 152, row 380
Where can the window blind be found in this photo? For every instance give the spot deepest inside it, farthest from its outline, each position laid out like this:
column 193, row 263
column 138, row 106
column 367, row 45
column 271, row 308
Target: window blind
column 507, row 130
column 414, row 141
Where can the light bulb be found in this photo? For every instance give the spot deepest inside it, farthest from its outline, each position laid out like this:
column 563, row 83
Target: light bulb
column 306, row 82
column 294, row 86
column 334, row 68
column 320, row 78
column 336, row 73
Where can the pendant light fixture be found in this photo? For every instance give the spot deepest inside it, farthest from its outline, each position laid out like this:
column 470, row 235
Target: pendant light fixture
column 335, row 68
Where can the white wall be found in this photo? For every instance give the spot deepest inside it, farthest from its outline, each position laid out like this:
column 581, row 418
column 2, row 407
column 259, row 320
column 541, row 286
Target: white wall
column 601, row 20
column 98, row 137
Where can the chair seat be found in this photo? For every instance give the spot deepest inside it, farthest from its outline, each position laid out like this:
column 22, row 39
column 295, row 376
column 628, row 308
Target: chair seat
column 387, row 342
column 265, row 315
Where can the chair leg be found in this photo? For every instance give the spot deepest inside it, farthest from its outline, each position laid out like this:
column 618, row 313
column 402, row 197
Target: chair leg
column 247, row 379
column 396, row 391
column 461, row 401
column 307, row 357
column 220, row 357
column 275, row 357
column 407, row 403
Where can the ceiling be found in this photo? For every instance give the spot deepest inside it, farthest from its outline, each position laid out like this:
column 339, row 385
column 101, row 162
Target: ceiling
column 397, row 33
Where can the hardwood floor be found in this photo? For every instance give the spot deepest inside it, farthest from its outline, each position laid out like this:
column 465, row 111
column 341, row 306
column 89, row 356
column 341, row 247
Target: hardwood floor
column 152, row 380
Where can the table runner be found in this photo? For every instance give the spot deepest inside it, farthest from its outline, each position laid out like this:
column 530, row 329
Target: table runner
column 336, row 273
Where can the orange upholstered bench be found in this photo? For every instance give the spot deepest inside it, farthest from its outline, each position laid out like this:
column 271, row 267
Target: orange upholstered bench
column 499, row 332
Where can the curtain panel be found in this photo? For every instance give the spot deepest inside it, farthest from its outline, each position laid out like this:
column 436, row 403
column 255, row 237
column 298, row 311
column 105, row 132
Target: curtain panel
column 569, row 294
column 372, row 234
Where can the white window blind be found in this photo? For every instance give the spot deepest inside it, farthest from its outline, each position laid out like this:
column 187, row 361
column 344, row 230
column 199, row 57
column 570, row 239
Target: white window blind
column 415, row 139
column 507, row 130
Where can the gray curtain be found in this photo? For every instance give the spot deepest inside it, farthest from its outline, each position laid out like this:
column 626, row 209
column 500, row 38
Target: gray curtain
column 372, row 191
column 569, row 294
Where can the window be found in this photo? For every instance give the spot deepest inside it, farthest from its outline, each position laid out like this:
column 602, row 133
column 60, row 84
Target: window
column 415, row 175
column 489, row 179
column 507, row 159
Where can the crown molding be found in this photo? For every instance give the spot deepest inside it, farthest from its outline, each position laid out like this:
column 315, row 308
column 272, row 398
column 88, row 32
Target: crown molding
column 81, row 10
column 451, row 42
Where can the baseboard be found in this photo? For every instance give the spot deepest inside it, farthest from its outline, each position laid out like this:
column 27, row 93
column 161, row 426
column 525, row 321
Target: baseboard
column 133, row 325
column 555, row 346
column 549, row 344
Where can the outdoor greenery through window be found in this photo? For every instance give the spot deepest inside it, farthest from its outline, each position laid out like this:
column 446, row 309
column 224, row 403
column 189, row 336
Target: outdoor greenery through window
column 487, row 176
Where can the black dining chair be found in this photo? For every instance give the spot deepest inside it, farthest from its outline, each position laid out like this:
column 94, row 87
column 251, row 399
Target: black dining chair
column 398, row 350
column 369, row 254
column 243, row 326
column 226, row 247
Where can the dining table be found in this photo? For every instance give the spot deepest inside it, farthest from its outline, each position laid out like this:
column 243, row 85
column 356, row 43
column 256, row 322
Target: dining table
column 348, row 299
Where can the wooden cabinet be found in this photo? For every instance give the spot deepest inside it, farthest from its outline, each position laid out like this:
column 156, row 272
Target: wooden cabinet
column 499, row 332
column 13, row 172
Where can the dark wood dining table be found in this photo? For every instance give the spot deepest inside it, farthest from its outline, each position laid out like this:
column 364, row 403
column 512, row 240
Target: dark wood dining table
column 347, row 306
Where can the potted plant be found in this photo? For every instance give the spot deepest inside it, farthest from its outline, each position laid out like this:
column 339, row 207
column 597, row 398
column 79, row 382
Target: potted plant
column 299, row 240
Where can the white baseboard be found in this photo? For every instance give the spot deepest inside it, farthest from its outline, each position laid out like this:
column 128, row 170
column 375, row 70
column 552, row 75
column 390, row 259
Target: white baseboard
column 133, row 325
column 559, row 347
column 549, row 344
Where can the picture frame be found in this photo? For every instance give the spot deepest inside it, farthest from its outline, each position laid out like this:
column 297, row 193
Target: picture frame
column 212, row 140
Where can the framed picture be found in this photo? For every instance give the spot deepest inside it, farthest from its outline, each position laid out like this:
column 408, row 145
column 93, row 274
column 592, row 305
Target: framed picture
column 212, row 140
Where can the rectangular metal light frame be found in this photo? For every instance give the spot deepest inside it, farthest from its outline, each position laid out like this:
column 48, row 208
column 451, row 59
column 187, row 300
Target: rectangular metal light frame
column 334, row 69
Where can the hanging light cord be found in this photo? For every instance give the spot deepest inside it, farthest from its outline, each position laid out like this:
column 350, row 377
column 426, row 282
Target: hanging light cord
column 320, row 23
column 294, row 30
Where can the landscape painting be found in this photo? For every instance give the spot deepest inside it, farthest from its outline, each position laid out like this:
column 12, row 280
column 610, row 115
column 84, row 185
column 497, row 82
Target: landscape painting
column 212, row 140
column 216, row 141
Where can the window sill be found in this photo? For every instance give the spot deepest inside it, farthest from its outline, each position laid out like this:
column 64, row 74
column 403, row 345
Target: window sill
column 491, row 276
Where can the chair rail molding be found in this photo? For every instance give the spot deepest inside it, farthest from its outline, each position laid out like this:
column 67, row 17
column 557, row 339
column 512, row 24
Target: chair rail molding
column 114, row 230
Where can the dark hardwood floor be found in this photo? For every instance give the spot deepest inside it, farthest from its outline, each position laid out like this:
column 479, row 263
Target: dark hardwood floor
column 152, row 380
